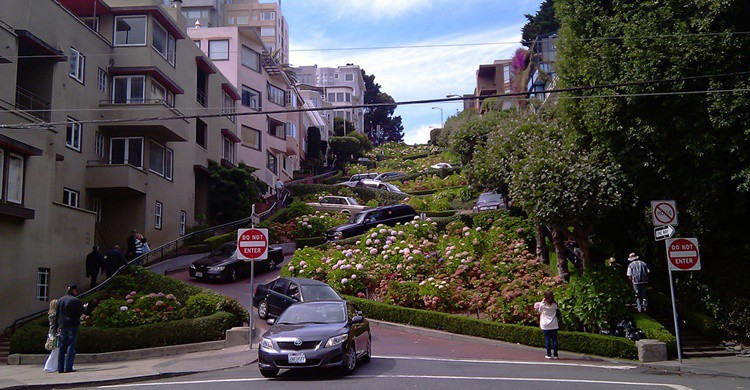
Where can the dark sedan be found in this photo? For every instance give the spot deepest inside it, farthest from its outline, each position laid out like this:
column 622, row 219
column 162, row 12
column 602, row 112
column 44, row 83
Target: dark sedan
column 273, row 298
column 324, row 334
column 490, row 201
column 365, row 220
column 222, row 264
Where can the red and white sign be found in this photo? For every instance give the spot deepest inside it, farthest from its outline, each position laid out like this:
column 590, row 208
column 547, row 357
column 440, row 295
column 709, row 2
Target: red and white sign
column 252, row 244
column 683, row 254
column 664, row 212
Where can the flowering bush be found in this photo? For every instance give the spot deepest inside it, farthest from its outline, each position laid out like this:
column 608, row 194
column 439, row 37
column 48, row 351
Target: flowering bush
column 135, row 309
column 304, row 226
column 432, row 182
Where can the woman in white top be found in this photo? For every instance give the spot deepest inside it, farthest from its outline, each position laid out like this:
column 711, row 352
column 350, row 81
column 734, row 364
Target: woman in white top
column 548, row 322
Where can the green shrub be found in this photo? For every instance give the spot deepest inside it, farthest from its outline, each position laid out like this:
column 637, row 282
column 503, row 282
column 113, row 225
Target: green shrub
column 216, row 241
column 699, row 322
column 203, row 304
column 310, row 241
column 595, row 299
column 654, row 330
column 200, row 248
column 593, row 344
column 298, row 209
column 437, row 214
column 333, row 179
column 141, row 279
column 404, row 294
column 278, row 217
column 372, row 203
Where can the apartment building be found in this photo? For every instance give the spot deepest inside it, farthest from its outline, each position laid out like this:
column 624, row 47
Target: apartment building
column 492, row 79
column 99, row 138
column 342, row 87
column 264, row 16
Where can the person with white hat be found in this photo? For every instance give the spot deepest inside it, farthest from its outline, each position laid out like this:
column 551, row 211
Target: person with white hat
column 638, row 273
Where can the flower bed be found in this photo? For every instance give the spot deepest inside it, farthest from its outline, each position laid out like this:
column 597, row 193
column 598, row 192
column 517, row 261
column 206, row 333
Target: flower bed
column 306, row 226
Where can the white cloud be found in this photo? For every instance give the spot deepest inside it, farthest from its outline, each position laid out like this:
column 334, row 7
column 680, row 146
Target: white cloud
column 419, row 135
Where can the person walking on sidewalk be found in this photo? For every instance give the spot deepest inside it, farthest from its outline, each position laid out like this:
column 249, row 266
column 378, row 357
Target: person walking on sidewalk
column 94, row 262
column 638, row 273
column 69, row 312
column 547, row 309
column 51, row 364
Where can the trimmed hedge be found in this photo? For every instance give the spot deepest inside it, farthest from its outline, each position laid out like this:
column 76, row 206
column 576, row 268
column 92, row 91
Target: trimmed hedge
column 216, row 241
column 310, row 241
column 366, row 194
column 202, row 248
column 279, row 217
column 30, row 338
column 592, row 344
column 654, row 330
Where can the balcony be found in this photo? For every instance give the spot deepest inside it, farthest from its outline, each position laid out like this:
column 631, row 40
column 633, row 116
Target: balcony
column 33, row 104
column 124, row 178
column 147, row 118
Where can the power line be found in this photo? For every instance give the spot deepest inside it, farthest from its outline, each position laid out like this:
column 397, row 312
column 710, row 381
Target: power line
column 414, row 102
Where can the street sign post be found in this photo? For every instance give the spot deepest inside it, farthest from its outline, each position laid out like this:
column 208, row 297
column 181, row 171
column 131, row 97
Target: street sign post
column 252, row 245
column 682, row 255
column 663, row 232
column 664, row 212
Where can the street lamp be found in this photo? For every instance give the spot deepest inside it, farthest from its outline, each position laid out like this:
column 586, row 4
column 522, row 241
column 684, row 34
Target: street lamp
column 441, row 115
column 452, row 96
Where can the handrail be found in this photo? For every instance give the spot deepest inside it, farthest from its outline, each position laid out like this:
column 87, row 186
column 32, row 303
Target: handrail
column 138, row 261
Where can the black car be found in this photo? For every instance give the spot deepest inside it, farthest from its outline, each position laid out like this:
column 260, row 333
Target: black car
column 273, row 298
column 324, row 334
column 365, row 220
column 222, row 264
column 490, row 201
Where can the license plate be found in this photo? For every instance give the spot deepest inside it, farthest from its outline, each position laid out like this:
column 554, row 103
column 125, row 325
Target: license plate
column 198, row 274
column 297, row 358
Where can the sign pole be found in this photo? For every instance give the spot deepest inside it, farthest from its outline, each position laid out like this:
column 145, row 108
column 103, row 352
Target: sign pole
column 676, row 323
column 252, row 290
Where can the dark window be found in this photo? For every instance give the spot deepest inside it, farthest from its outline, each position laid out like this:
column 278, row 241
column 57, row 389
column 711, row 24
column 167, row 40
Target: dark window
column 200, row 133
column 280, row 286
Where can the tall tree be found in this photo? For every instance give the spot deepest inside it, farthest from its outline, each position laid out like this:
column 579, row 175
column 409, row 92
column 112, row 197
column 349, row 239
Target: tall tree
column 233, row 191
column 314, row 155
column 342, row 127
column 543, row 22
column 391, row 129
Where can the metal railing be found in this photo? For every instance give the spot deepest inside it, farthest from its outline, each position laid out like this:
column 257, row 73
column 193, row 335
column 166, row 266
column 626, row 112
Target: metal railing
column 33, row 104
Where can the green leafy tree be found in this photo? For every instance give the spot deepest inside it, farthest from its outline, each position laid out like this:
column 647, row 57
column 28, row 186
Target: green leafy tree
column 342, row 127
column 344, row 148
column 233, row 191
column 314, row 155
column 543, row 22
column 391, row 129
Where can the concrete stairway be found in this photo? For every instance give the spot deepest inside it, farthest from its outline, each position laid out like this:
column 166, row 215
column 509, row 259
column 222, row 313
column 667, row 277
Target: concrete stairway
column 4, row 349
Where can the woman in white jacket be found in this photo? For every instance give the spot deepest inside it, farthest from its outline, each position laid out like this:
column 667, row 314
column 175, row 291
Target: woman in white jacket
column 51, row 364
column 548, row 322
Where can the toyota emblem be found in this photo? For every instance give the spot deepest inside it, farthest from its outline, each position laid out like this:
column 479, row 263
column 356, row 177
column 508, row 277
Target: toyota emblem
column 298, row 342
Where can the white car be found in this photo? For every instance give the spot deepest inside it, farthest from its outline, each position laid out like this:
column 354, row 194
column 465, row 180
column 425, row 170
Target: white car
column 441, row 166
column 378, row 185
column 356, row 178
column 338, row 204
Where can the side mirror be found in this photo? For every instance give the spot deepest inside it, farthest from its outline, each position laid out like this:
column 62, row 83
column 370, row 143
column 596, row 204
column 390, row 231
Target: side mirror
column 358, row 319
column 270, row 321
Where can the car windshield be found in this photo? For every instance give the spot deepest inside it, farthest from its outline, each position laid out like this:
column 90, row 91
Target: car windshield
column 352, row 201
column 317, row 313
column 318, row 293
column 391, row 187
column 490, row 198
column 357, row 218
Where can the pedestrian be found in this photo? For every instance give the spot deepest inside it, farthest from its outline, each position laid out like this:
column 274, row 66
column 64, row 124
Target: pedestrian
column 638, row 273
column 547, row 308
column 140, row 246
column 69, row 312
column 279, row 188
column 51, row 364
column 113, row 260
column 94, row 263
column 130, row 252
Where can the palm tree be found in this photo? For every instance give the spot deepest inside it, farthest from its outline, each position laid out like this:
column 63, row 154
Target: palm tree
column 285, row 67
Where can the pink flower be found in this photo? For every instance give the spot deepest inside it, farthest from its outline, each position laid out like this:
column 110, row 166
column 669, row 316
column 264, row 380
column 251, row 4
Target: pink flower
column 344, row 281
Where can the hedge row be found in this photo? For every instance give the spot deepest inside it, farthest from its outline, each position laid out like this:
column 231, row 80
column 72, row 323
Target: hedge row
column 216, row 241
column 654, row 330
column 437, row 214
column 30, row 338
column 586, row 343
column 366, row 194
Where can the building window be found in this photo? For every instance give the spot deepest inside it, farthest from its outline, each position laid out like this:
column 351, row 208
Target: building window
column 331, row 97
column 250, row 137
column 228, row 106
column 73, row 134
column 336, row 76
column 183, row 222
column 70, row 197
column 126, row 151
column 250, row 98
column 283, row 164
column 168, row 164
column 349, row 77
column 96, row 207
column 99, row 144
column 92, row 23
column 227, row 149
column 250, row 58
column 15, row 179
column 130, row 30
column 163, row 43
column 158, row 208
column 276, row 128
column 76, row 65
column 101, row 80
column 201, row 136
column 276, row 95
column 272, row 162
column 267, row 31
column 42, row 284
column 267, row 15
column 339, row 96
column 347, row 97
column 128, row 89
column 160, row 160
column 291, row 129
column 159, row 94
column 506, row 74
column 218, row 50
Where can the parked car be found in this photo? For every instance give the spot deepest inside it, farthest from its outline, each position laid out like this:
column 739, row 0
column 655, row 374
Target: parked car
column 326, row 334
column 222, row 264
column 441, row 166
column 389, row 176
column 338, row 204
column 273, row 298
column 490, row 201
column 378, row 185
column 356, row 178
column 365, row 220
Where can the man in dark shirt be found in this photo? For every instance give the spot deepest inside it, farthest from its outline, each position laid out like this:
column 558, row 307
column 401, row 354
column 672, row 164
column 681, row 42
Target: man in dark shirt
column 94, row 262
column 69, row 312
column 130, row 253
column 113, row 260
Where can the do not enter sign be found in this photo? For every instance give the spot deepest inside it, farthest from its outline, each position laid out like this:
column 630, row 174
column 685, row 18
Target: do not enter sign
column 252, row 244
column 683, row 254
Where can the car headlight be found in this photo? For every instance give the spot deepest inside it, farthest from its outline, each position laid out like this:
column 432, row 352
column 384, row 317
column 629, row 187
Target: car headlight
column 266, row 343
column 216, row 269
column 336, row 340
column 338, row 235
column 192, row 266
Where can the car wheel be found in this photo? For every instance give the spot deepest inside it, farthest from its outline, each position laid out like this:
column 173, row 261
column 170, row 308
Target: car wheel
column 346, row 212
column 350, row 361
column 368, row 354
column 233, row 274
column 271, row 264
column 269, row 373
column 263, row 310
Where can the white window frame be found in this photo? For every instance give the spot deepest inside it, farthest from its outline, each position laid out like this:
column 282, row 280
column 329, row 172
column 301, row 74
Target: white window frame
column 96, row 207
column 145, row 30
column 101, row 80
column 183, row 222
column 129, row 88
column 126, row 153
column 76, row 65
column 250, row 54
column 336, row 75
column 153, row 147
column 167, row 97
column 73, row 197
column 247, row 129
column 73, row 134
column 216, row 41
column 276, row 95
column 8, row 196
column 158, row 211
column 267, row 31
column 251, row 91
column 227, row 149
column 42, row 284
column 228, row 106
column 283, row 163
column 168, row 164
column 91, row 22
column 267, row 15
column 271, row 158
column 171, row 50
column 99, row 144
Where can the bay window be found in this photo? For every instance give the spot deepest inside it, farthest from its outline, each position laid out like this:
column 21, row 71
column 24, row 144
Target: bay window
column 128, row 89
column 130, row 30
column 126, row 151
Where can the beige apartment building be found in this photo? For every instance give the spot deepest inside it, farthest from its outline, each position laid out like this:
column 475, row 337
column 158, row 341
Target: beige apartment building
column 492, row 79
column 99, row 136
column 342, row 87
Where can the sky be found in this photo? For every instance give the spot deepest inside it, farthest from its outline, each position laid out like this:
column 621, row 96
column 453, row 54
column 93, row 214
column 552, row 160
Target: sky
column 491, row 28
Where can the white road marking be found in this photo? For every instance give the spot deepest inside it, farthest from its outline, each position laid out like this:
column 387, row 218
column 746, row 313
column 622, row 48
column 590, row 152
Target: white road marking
column 511, row 362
